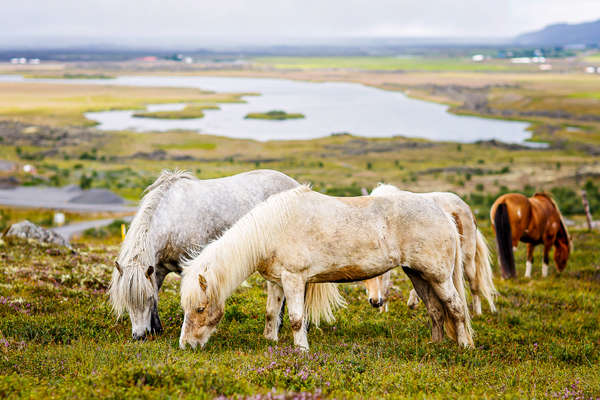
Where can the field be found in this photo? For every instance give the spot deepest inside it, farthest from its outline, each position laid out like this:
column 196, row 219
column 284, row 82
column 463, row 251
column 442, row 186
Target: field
column 58, row 338
column 414, row 63
column 60, row 104
column 543, row 343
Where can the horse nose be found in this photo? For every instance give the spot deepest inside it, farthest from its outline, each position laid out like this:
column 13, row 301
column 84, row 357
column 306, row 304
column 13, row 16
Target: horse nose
column 376, row 303
column 138, row 336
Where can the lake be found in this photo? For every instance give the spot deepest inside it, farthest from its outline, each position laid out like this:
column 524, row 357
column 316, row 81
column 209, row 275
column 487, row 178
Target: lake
column 329, row 107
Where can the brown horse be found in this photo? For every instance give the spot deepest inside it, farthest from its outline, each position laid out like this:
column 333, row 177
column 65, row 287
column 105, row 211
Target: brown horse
column 534, row 220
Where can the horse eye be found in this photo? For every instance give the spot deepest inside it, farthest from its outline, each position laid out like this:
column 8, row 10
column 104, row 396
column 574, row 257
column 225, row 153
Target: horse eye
column 200, row 309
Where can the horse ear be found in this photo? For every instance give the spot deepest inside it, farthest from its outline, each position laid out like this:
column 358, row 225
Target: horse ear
column 149, row 272
column 118, row 268
column 202, row 282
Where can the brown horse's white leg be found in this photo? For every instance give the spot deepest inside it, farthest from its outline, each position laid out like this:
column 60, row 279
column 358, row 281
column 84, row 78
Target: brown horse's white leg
column 529, row 262
column 432, row 303
column 293, row 289
column 274, row 306
column 456, row 309
column 546, row 259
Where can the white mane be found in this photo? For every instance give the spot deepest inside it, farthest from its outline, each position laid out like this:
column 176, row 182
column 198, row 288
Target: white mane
column 384, row 189
column 137, row 253
column 228, row 261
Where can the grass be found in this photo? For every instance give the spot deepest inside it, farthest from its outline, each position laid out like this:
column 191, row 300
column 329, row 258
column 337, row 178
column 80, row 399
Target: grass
column 189, row 112
column 274, row 115
column 60, row 104
column 388, row 64
column 544, row 340
column 69, row 76
column 58, row 338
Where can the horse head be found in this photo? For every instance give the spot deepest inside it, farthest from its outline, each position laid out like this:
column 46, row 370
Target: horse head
column 377, row 289
column 133, row 288
column 562, row 249
column 202, row 310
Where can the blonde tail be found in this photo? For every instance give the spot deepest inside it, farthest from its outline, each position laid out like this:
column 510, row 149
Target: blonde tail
column 483, row 271
column 459, row 283
column 320, row 302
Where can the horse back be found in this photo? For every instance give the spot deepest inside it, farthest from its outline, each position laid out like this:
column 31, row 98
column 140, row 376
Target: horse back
column 546, row 214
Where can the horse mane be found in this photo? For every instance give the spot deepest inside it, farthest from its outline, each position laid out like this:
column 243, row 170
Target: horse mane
column 385, row 189
column 548, row 196
column 230, row 259
column 137, row 252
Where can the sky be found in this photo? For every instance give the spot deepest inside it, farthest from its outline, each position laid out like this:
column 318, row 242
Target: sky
column 277, row 21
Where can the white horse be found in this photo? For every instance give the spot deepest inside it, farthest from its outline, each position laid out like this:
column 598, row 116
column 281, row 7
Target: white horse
column 476, row 255
column 179, row 215
column 300, row 237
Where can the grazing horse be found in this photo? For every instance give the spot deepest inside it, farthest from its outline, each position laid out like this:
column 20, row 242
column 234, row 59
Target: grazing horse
column 178, row 215
column 476, row 256
column 300, row 237
column 534, row 220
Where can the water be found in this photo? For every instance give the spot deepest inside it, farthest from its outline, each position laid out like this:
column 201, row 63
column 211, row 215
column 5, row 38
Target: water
column 329, row 107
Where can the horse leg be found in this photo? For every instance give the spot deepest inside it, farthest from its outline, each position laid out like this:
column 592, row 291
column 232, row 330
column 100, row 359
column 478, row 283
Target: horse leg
column 293, row 288
column 455, row 307
column 432, row 303
column 546, row 260
column 274, row 313
column 155, row 325
column 470, row 274
column 529, row 263
column 413, row 300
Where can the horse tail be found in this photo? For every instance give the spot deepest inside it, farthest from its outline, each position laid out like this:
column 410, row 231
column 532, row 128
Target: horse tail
column 459, row 283
column 320, row 302
column 483, row 270
column 504, row 241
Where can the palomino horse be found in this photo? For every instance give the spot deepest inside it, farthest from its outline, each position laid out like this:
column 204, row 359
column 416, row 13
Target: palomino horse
column 300, row 237
column 179, row 215
column 534, row 220
column 476, row 256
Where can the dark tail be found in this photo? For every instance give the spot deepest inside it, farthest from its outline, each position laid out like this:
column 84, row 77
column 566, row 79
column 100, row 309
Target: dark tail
column 504, row 242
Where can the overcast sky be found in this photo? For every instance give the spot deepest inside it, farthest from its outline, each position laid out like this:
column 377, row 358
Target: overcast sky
column 252, row 20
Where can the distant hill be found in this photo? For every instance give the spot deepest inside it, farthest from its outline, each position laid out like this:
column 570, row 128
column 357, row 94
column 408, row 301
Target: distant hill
column 563, row 34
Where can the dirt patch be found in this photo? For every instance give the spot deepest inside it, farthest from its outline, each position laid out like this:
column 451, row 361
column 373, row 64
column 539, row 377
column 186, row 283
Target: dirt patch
column 20, row 134
column 360, row 147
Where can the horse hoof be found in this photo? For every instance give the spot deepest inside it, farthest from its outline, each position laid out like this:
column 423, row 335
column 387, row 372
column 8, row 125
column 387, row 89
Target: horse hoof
column 138, row 337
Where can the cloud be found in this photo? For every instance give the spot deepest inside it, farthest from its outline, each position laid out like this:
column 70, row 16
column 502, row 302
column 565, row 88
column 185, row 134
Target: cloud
column 197, row 21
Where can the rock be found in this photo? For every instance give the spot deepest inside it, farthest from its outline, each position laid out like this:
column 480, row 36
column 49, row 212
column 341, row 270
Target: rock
column 29, row 230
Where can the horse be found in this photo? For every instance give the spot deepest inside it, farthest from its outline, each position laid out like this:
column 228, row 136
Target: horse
column 300, row 237
column 178, row 215
column 534, row 220
column 476, row 255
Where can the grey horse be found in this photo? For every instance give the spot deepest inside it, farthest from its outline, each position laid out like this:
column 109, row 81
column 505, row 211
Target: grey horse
column 178, row 216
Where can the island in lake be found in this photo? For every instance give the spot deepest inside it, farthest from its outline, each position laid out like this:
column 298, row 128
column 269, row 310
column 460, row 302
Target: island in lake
column 275, row 115
column 189, row 112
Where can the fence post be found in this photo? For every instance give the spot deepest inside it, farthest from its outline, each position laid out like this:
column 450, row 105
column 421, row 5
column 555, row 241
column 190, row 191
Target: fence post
column 586, row 208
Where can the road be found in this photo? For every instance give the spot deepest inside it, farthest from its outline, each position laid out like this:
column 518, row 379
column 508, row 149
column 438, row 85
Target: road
column 68, row 231
column 57, row 199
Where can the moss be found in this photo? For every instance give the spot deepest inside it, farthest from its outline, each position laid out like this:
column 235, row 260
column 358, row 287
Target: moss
column 274, row 115
column 189, row 112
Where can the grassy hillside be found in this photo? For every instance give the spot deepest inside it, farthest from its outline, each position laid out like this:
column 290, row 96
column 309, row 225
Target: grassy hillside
column 58, row 339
